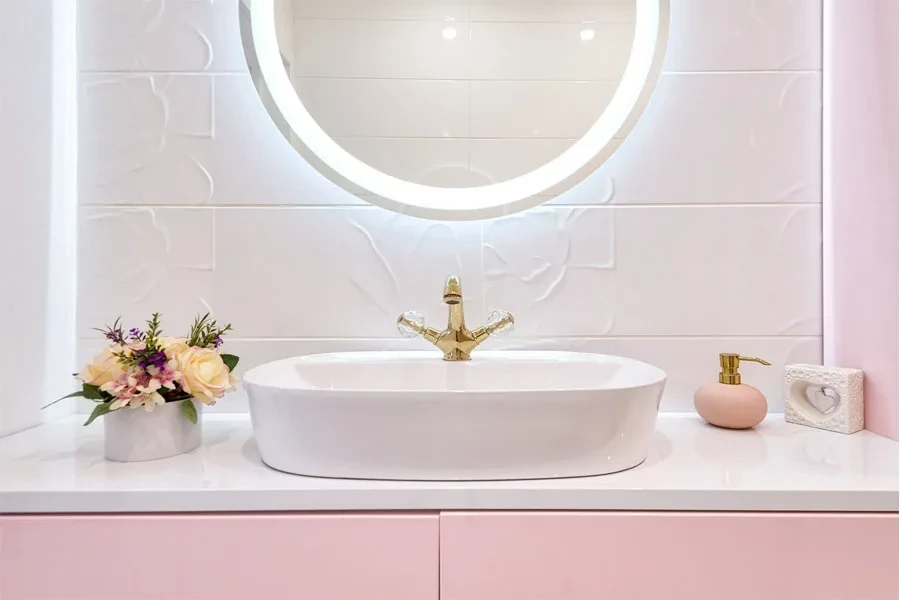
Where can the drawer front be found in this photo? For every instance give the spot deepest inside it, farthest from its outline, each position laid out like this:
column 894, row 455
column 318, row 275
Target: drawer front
column 225, row 557
column 668, row 556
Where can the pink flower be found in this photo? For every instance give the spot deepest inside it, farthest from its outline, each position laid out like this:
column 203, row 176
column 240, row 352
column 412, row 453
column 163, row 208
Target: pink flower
column 167, row 377
column 140, row 387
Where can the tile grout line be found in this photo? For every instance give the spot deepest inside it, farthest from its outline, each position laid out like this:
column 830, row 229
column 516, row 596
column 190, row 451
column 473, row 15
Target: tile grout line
column 523, row 339
column 364, row 206
column 450, row 79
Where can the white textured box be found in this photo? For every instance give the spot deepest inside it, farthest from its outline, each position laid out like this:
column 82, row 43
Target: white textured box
column 824, row 397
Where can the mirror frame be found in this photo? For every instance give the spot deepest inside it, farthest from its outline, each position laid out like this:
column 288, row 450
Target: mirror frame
column 525, row 191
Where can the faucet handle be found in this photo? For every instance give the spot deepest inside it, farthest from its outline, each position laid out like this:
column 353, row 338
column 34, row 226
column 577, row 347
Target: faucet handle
column 500, row 323
column 411, row 324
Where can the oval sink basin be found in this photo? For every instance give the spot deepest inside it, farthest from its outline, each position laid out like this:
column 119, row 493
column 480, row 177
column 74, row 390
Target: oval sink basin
column 413, row 416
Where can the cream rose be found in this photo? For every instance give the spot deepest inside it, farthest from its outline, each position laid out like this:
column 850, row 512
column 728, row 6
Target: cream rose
column 173, row 346
column 203, row 374
column 103, row 368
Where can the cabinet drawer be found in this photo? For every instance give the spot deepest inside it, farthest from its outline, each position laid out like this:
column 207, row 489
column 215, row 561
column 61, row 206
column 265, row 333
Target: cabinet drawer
column 668, row 556
column 226, row 557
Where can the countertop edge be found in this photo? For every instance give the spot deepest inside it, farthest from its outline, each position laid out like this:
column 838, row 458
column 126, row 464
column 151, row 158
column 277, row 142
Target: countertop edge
column 257, row 501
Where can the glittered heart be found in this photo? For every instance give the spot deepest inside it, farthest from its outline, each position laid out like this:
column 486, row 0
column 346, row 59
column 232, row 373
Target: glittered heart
column 824, row 399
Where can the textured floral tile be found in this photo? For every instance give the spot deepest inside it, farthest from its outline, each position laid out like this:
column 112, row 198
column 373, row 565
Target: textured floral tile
column 720, row 139
column 252, row 162
column 183, row 139
column 552, row 268
column 134, row 261
column 743, row 270
column 160, row 35
column 657, row 271
column 749, row 35
column 146, row 139
column 339, row 272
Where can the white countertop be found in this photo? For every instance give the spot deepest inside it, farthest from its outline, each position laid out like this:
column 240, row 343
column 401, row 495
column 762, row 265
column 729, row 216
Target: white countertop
column 59, row 468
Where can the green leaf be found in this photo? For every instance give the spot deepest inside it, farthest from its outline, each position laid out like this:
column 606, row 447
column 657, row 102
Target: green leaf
column 79, row 394
column 230, row 361
column 189, row 411
column 92, row 392
column 99, row 411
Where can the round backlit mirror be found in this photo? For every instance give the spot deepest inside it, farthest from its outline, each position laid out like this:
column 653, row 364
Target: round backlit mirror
column 455, row 109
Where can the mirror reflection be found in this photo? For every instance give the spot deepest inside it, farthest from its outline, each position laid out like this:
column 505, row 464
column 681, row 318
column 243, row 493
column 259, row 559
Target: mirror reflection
column 454, row 93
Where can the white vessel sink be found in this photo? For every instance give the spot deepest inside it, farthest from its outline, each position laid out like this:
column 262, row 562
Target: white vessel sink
column 413, row 416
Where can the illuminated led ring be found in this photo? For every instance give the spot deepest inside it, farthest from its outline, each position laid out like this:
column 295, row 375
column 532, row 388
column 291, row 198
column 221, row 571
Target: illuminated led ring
column 473, row 202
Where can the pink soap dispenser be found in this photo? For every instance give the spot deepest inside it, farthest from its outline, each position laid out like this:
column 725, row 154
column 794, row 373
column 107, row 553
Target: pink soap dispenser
column 728, row 402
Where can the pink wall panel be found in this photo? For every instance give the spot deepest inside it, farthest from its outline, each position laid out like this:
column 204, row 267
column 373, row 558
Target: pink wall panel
column 257, row 557
column 860, row 168
column 668, row 556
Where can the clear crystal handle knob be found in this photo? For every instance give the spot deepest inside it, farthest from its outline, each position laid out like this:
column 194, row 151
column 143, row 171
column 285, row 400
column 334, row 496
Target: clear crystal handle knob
column 501, row 323
column 410, row 324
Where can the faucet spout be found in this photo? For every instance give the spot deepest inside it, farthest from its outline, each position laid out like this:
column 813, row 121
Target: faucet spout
column 453, row 290
column 453, row 298
column 456, row 342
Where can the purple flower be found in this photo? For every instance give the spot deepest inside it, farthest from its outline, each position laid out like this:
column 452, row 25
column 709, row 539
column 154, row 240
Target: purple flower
column 157, row 359
column 116, row 336
column 218, row 341
column 136, row 334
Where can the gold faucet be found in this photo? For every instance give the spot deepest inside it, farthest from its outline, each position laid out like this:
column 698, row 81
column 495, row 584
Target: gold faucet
column 456, row 342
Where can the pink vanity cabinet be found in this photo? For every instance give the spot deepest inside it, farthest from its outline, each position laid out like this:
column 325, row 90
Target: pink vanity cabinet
column 220, row 557
column 451, row 556
column 668, row 556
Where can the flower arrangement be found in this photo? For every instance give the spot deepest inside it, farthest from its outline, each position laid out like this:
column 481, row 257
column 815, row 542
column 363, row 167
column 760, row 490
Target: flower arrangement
column 141, row 367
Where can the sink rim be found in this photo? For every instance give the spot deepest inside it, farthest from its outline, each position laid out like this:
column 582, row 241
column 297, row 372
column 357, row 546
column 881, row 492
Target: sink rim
column 255, row 377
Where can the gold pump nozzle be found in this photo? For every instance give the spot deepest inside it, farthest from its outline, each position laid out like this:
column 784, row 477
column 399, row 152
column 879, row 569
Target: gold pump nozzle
column 730, row 364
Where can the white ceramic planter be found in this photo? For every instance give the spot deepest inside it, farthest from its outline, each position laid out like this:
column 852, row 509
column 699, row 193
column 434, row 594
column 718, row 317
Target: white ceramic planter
column 133, row 434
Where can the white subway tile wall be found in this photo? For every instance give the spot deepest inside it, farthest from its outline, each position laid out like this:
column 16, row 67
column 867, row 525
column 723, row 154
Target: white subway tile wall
column 480, row 74
column 388, row 108
column 702, row 234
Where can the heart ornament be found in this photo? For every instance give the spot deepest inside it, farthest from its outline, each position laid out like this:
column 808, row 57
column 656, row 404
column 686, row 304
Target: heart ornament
column 823, row 398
